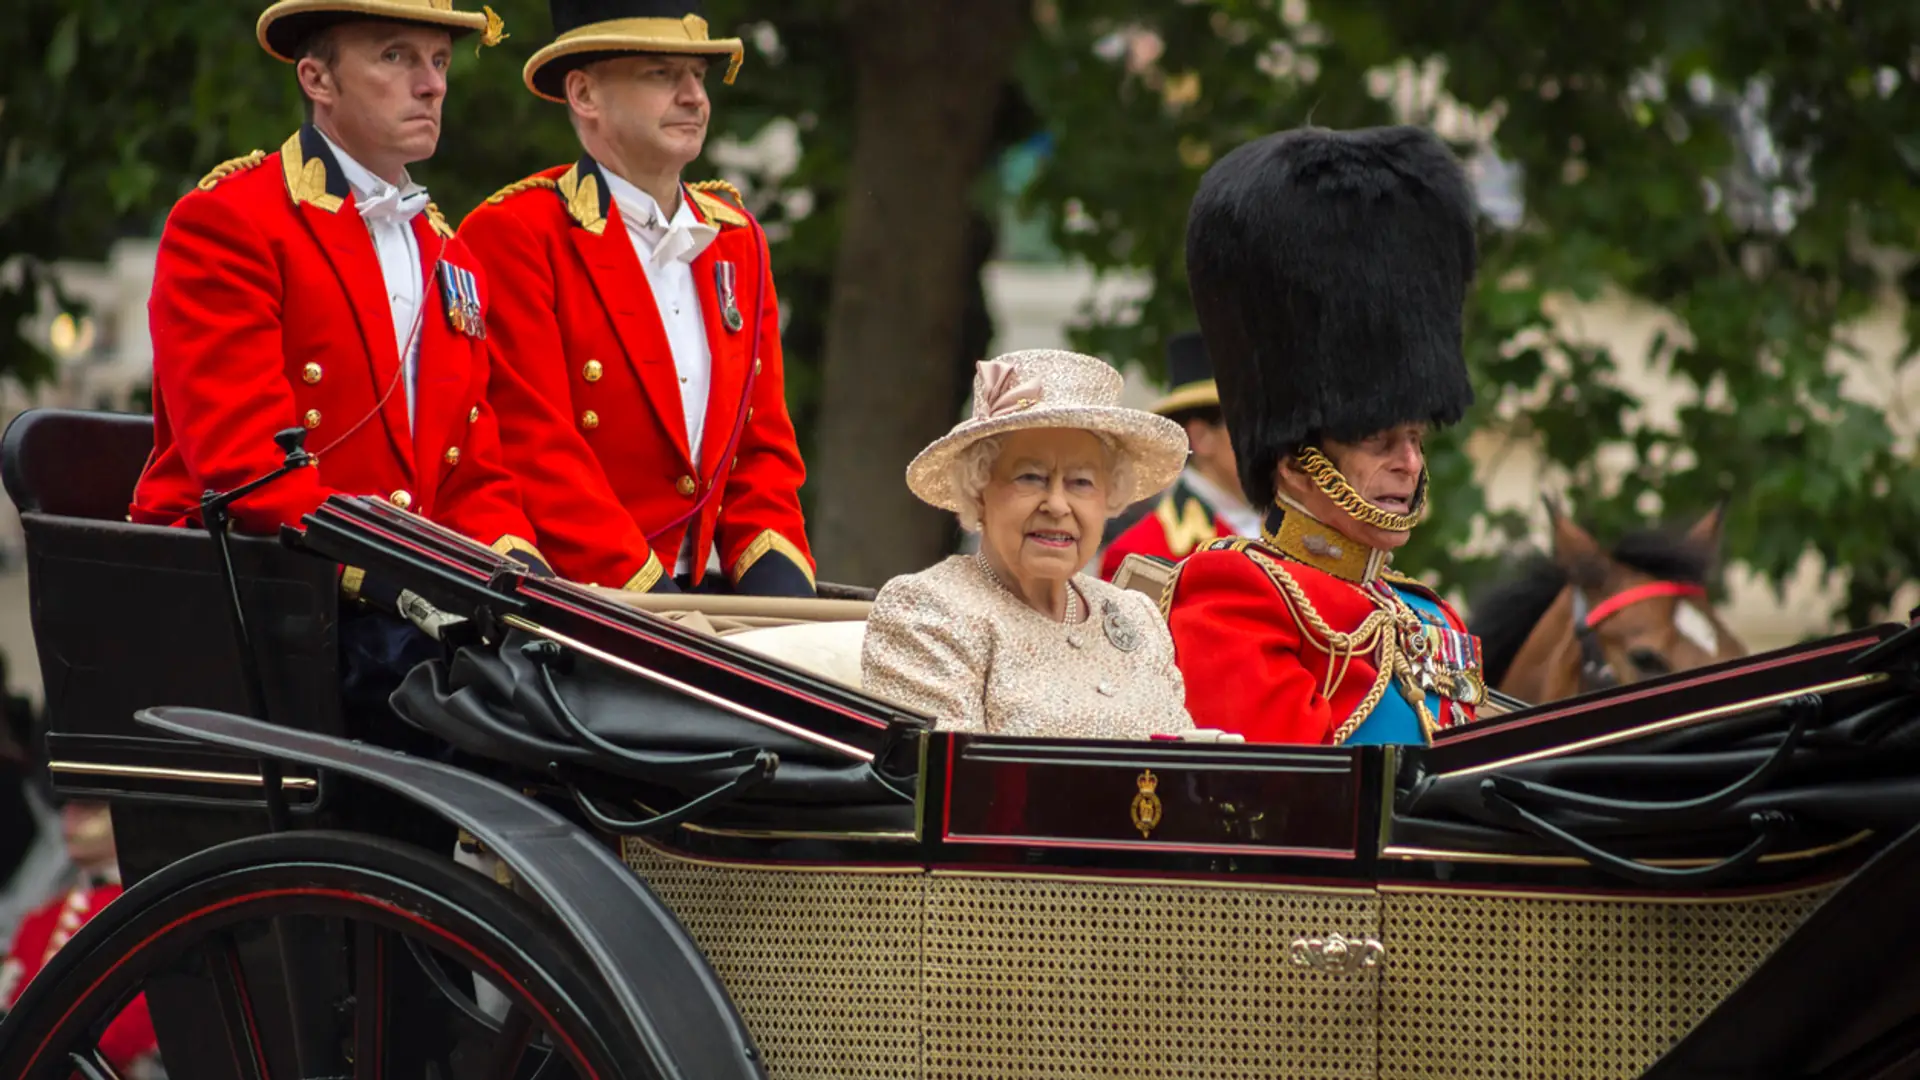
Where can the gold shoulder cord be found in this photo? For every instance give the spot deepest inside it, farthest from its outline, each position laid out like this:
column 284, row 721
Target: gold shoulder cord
column 519, row 186
column 230, row 167
column 719, row 185
column 1374, row 634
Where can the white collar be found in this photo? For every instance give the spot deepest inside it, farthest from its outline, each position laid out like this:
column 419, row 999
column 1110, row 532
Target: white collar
column 1223, row 502
column 682, row 238
column 641, row 209
column 366, row 186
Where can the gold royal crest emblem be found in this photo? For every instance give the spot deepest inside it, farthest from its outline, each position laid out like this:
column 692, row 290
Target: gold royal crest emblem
column 1146, row 804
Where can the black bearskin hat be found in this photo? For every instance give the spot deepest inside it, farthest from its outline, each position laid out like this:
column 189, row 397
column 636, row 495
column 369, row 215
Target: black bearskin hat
column 1329, row 270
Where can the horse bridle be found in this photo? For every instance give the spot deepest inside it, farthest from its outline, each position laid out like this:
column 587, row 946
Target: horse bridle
column 1596, row 671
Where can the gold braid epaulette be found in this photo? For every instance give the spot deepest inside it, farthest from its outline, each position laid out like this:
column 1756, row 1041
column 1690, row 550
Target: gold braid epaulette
column 438, row 222
column 720, row 185
column 229, row 168
column 519, row 186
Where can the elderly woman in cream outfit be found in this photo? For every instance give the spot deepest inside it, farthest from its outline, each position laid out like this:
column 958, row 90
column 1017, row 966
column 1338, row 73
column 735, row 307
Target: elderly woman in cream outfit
column 1013, row 640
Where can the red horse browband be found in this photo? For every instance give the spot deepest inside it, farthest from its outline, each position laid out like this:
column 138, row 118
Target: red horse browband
column 1628, row 597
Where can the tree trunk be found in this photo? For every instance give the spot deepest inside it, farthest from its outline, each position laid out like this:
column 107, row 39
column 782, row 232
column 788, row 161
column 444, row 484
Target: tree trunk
column 930, row 76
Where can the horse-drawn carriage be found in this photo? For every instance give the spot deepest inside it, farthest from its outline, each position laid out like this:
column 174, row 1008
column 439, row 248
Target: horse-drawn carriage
column 610, row 842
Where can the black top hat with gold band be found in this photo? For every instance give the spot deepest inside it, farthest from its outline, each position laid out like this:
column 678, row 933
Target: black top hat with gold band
column 1189, row 377
column 1329, row 270
column 285, row 26
column 590, row 30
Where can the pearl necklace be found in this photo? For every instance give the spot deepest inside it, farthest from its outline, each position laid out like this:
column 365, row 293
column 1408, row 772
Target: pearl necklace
column 1072, row 615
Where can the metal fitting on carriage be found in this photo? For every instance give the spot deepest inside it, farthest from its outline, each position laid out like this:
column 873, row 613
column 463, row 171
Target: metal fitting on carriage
column 1336, row 954
column 432, row 621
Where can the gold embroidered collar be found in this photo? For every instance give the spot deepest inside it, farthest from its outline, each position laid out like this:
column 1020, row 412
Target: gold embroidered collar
column 1303, row 538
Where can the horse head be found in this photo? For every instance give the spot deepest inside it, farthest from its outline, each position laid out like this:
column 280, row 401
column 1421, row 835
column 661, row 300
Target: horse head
column 1589, row 617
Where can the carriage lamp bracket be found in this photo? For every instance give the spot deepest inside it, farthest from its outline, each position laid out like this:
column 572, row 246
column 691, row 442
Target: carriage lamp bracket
column 215, row 515
column 1801, row 711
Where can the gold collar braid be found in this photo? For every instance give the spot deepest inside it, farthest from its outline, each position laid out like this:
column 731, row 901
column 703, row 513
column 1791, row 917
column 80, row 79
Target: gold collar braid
column 1327, row 477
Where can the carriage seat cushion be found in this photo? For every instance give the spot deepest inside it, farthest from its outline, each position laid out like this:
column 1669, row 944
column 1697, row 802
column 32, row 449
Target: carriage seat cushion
column 830, row 650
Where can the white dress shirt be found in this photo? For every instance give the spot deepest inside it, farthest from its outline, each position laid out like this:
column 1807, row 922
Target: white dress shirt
column 666, row 250
column 388, row 212
column 1244, row 520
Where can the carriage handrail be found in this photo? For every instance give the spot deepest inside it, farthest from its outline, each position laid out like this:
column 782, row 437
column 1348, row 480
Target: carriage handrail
column 1802, row 711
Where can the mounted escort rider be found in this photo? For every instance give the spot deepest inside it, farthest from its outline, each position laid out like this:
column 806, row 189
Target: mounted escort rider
column 1206, row 502
column 317, row 287
column 1329, row 270
column 649, row 422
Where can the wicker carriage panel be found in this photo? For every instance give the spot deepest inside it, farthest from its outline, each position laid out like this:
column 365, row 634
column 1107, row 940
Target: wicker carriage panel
column 1049, row 978
column 823, row 966
column 1485, row 987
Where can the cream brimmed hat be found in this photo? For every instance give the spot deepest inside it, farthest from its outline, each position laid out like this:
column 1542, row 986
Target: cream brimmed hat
column 286, row 24
column 1048, row 388
column 590, row 30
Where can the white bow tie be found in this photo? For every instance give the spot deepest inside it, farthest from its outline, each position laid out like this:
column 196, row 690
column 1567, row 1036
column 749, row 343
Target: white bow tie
column 683, row 241
column 392, row 205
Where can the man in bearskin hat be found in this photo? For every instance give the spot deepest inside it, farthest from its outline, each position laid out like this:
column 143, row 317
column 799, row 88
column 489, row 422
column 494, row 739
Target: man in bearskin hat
column 648, row 420
column 1329, row 270
column 1205, row 503
column 317, row 287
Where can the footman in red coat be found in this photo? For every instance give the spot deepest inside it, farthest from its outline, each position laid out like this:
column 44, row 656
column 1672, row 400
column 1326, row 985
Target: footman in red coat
column 1206, row 502
column 317, row 287
column 647, row 414
column 1329, row 270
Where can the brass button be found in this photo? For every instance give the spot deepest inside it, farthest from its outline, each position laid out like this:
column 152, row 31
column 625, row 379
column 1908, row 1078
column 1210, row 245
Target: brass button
column 453, row 455
column 312, row 419
column 473, row 417
column 735, row 465
column 756, row 365
column 592, row 371
column 749, row 414
column 401, row 499
column 684, row 485
column 589, row 419
column 311, row 373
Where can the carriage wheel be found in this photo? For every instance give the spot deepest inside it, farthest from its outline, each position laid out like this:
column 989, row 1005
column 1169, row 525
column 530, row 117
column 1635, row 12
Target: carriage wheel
column 324, row 954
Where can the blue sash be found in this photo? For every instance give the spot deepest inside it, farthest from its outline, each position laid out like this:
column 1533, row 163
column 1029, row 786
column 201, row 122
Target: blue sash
column 1393, row 721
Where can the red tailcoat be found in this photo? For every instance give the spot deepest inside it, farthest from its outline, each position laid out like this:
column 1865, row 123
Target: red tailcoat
column 1180, row 522
column 41, row 934
column 268, row 312
column 1243, row 618
column 594, row 424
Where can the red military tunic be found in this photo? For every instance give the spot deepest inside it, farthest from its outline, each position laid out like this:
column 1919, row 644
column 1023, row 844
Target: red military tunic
column 1261, row 635
column 41, row 934
column 594, row 423
column 1180, row 522
column 268, row 312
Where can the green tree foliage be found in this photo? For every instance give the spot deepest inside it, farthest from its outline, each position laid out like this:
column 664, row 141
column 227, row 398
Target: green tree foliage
column 1748, row 167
